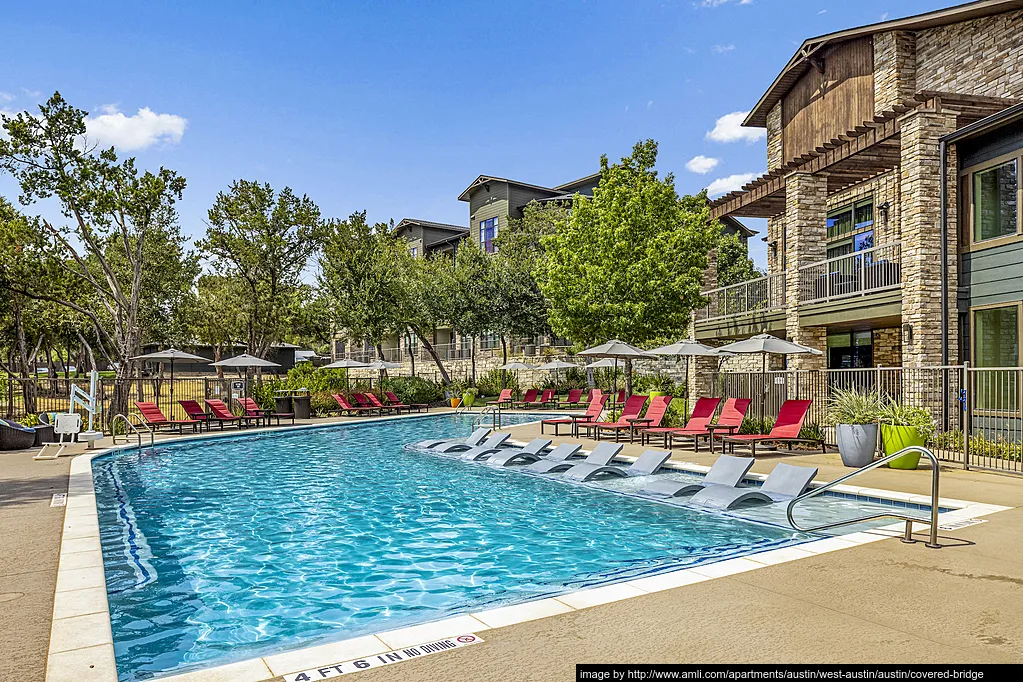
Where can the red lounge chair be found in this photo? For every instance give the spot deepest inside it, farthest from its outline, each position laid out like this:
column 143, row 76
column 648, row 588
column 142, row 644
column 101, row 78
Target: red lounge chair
column 592, row 414
column 594, row 394
column 222, row 413
column 363, row 401
column 732, row 415
column 375, row 402
column 393, row 399
column 620, row 399
column 348, row 408
column 528, row 398
column 253, row 410
column 652, row 419
column 504, row 399
column 786, row 429
column 633, row 406
column 152, row 416
column 546, row 398
column 196, row 411
column 574, row 399
column 703, row 412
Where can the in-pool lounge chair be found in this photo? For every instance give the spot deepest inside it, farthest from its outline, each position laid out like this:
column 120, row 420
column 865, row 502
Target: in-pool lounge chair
column 561, row 453
column 375, row 402
column 484, row 449
column 528, row 397
column 648, row 463
column 703, row 412
column 785, row 482
column 504, row 399
column 601, row 455
column 727, row 472
column 418, row 407
column 530, row 452
column 592, row 414
column 196, row 411
column 154, row 417
column 254, row 410
column 470, row 441
column 633, row 406
column 786, row 429
column 347, row 408
column 220, row 412
column 574, row 399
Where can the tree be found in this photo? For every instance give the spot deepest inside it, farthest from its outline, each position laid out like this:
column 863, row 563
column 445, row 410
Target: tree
column 111, row 205
column 627, row 263
column 733, row 262
column 473, row 292
column 426, row 302
column 214, row 317
column 265, row 239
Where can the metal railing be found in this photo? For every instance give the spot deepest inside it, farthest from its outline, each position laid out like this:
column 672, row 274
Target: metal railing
column 932, row 540
column 855, row 274
column 755, row 296
column 495, row 417
column 131, row 423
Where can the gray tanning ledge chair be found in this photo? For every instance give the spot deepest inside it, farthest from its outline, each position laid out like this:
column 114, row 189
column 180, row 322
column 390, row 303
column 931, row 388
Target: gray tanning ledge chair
column 727, row 472
column 785, row 482
column 532, row 451
column 648, row 463
column 489, row 447
column 455, row 444
column 601, row 455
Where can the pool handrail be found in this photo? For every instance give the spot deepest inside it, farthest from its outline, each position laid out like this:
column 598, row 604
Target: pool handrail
column 932, row 540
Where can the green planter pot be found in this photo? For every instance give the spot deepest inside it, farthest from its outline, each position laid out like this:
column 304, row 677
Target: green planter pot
column 896, row 438
column 654, row 394
column 468, row 399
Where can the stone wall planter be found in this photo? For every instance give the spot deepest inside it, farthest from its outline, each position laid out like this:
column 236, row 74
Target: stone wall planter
column 857, row 443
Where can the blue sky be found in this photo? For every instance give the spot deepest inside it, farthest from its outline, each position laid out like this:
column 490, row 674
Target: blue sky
column 395, row 107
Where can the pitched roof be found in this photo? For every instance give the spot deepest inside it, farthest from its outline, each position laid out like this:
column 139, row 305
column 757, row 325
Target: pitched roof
column 405, row 222
column 484, row 179
column 585, row 179
column 799, row 63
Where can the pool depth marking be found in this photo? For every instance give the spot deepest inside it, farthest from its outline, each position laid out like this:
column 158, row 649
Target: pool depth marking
column 386, row 658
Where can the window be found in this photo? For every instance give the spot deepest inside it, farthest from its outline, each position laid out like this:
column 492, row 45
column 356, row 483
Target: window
column 488, row 232
column 851, row 218
column 414, row 251
column 490, row 340
column 996, row 336
column 847, row 350
column 995, row 198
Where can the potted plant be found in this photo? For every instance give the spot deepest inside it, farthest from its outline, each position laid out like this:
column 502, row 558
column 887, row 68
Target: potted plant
column 469, row 397
column 854, row 416
column 901, row 427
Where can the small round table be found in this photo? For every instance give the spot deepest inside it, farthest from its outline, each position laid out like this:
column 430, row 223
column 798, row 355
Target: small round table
column 730, row 428
column 633, row 423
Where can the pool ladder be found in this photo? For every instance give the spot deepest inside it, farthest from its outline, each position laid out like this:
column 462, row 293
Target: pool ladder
column 495, row 417
column 932, row 540
column 131, row 423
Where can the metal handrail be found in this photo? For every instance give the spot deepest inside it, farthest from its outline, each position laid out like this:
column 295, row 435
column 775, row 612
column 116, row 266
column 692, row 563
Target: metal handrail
column 932, row 541
column 133, row 426
column 494, row 412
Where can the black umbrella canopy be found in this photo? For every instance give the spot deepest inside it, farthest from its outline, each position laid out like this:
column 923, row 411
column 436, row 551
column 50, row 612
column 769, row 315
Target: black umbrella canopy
column 170, row 355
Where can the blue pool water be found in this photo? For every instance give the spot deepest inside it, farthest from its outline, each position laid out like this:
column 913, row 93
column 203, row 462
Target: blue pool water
column 225, row 549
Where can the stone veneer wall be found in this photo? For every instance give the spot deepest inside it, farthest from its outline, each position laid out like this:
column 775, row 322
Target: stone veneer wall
column 894, row 69
column 774, row 142
column 806, row 209
column 887, row 347
column 979, row 57
column 883, row 188
column 776, row 233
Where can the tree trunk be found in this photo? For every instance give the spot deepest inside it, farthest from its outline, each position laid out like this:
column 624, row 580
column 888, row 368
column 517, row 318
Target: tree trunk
column 472, row 355
column 436, row 358
column 28, row 384
column 504, row 352
column 380, row 354
column 408, row 348
column 628, row 376
column 216, row 358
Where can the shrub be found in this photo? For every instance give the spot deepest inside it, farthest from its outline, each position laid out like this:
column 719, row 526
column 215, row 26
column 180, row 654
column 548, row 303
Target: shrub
column 414, row 389
column 489, row 385
column 852, row 407
column 658, row 382
column 895, row 413
column 812, row 432
column 676, row 415
column 322, row 402
column 564, row 381
column 30, row 420
column 756, row 425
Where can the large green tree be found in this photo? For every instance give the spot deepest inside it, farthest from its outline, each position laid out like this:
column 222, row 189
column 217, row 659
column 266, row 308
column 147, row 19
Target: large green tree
column 627, row 263
column 733, row 262
column 265, row 239
column 112, row 207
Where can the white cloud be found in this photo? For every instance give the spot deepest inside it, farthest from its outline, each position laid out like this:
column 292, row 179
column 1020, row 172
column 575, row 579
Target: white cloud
column 649, row 105
column 702, row 164
column 729, row 184
column 729, row 128
column 128, row 133
column 721, row 49
column 718, row 3
column 6, row 97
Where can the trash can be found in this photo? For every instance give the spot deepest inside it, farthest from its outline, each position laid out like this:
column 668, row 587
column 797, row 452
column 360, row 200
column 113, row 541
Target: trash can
column 301, row 403
column 282, row 404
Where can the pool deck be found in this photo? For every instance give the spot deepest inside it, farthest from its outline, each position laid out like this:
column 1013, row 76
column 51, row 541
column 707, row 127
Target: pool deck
column 877, row 602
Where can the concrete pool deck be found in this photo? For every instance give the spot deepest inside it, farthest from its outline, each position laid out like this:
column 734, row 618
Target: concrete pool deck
column 882, row 601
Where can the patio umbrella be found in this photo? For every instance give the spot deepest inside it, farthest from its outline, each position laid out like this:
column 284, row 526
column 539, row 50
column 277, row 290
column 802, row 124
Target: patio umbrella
column 513, row 366
column 381, row 365
column 765, row 345
column 557, row 365
column 687, row 349
column 605, row 363
column 245, row 361
column 170, row 355
column 618, row 349
column 346, row 364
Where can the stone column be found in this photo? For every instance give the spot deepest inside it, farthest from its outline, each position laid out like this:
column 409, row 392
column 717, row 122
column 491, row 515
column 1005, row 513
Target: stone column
column 921, row 238
column 806, row 214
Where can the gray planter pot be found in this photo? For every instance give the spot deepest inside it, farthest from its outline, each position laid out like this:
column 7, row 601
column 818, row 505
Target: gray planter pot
column 857, row 443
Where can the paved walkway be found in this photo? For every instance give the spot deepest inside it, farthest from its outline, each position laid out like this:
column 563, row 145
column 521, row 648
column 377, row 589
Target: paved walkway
column 881, row 602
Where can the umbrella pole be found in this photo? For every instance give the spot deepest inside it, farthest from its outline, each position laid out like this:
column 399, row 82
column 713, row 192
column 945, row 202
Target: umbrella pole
column 171, row 410
column 763, row 385
column 687, row 388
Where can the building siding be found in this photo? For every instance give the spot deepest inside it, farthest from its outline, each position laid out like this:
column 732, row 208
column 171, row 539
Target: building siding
column 993, row 275
column 979, row 57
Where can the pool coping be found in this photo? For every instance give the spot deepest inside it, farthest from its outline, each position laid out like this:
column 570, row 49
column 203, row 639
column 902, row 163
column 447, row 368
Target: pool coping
column 81, row 647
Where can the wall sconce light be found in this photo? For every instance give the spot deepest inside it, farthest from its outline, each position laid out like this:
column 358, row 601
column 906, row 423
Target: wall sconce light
column 907, row 332
column 883, row 211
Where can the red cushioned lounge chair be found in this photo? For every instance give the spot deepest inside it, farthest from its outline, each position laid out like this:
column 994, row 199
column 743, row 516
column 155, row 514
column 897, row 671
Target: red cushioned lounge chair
column 375, row 402
column 703, row 412
column 348, row 408
column 652, row 419
column 393, row 400
column 528, row 397
column 633, row 406
column 592, row 414
column 154, row 417
column 574, row 399
column 220, row 412
column 197, row 412
column 786, row 429
column 504, row 400
column 253, row 410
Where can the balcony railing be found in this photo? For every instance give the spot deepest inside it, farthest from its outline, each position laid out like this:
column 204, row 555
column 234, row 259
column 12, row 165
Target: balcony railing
column 854, row 274
column 755, row 296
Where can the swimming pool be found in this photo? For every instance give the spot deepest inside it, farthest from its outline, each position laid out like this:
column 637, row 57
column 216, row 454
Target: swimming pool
column 224, row 549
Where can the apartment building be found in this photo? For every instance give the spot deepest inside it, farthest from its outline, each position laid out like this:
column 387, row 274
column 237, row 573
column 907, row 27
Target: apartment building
column 891, row 196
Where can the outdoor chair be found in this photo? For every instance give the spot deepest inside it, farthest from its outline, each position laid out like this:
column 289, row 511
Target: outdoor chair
column 703, row 412
column 528, row 398
column 197, row 412
column 504, row 399
column 648, row 463
column 418, row 407
column 784, row 483
column 154, row 418
column 633, row 406
column 574, row 399
column 252, row 409
column 727, row 472
column 375, row 402
column 786, row 429
column 348, row 408
column 602, row 455
column 471, row 441
column 592, row 414
column 220, row 412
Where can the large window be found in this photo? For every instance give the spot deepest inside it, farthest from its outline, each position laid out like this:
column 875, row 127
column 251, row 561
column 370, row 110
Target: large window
column 996, row 336
column 995, row 202
column 851, row 218
column 488, row 232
